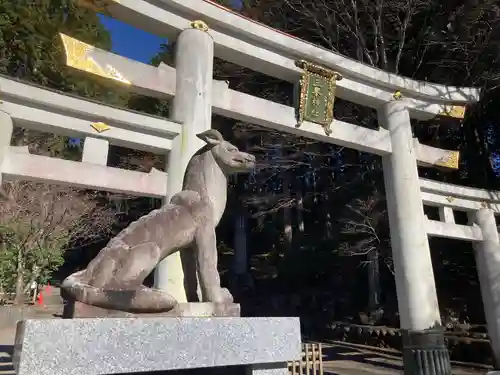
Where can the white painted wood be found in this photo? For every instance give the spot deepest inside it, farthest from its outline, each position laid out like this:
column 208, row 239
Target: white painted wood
column 192, row 106
column 461, row 204
column 446, row 215
column 279, row 117
column 44, row 121
column 95, row 151
column 6, row 128
column 428, row 156
column 244, row 107
column 23, row 166
column 281, row 64
column 458, row 191
column 279, row 42
column 19, row 149
column 487, row 254
column 454, row 231
column 72, row 106
column 415, row 285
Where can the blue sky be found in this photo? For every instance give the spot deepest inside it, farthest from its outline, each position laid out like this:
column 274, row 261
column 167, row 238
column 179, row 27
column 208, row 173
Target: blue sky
column 135, row 43
column 131, row 42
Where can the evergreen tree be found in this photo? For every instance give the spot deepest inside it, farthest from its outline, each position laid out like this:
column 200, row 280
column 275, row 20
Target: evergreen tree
column 31, row 49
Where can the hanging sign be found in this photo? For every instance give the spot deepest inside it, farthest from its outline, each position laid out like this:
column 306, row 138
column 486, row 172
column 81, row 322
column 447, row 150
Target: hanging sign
column 316, row 95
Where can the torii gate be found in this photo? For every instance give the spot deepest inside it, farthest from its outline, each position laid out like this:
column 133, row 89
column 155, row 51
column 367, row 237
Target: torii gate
column 195, row 95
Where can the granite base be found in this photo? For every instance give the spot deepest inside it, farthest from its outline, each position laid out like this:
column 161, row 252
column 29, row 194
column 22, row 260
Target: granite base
column 263, row 346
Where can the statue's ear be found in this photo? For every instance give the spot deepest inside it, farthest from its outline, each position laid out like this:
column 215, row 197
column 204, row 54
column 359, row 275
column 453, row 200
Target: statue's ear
column 211, row 137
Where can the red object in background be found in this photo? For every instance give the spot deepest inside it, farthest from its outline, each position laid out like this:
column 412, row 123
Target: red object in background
column 40, row 298
column 47, row 290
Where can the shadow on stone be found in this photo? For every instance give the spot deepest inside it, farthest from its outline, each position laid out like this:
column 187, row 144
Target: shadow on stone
column 346, row 353
column 6, row 352
column 227, row 370
column 8, row 349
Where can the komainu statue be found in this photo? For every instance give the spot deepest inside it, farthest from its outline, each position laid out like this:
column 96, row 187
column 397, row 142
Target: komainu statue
column 114, row 278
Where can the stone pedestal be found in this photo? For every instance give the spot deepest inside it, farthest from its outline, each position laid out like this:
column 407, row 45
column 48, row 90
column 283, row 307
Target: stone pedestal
column 75, row 309
column 130, row 346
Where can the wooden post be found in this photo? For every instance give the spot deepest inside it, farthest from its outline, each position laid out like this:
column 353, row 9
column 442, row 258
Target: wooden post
column 310, row 362
column 95, row 151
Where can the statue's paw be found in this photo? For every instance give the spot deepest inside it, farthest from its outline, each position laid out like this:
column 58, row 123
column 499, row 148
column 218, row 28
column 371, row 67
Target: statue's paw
column 225, row 296
column 220, row 295
column 228, row 297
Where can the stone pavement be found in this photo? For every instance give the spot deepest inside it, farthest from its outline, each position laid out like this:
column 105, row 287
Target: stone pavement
column 339, row 358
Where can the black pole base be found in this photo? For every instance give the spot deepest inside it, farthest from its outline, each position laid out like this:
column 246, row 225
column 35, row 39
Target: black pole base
column 425, row 352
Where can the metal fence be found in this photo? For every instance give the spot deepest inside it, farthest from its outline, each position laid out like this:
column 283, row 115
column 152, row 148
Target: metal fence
column 310, row 363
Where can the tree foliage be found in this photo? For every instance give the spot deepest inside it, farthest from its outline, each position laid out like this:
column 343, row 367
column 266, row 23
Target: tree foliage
column 38, row 222
column 341, row 191
column 31, row 49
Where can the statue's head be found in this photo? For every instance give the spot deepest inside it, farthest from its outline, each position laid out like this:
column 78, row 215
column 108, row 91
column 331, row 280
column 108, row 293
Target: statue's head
column 228, row 157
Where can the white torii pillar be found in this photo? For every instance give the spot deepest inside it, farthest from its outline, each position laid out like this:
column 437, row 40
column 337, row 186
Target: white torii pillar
column 423, row 337
column 487, row 254
column 192, row 106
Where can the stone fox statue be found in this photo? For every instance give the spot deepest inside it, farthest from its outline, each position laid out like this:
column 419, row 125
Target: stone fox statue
column 113, row 279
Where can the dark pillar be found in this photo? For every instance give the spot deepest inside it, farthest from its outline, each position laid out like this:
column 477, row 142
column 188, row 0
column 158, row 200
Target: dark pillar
column 425, row 352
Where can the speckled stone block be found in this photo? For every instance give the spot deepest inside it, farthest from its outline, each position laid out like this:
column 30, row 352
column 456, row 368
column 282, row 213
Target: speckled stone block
column 130, row 345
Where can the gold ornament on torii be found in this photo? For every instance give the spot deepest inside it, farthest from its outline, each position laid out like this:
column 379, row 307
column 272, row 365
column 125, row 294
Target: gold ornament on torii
column 316, row 95
column 78, row 56
column 199, row 25
column 451, row 161
column 100, row 127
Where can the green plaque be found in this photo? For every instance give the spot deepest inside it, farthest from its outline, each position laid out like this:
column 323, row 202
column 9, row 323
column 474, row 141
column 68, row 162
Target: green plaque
column 316, row 95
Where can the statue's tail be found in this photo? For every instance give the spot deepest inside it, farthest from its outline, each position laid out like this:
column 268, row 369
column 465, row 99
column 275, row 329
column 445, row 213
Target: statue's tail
column 140, row 300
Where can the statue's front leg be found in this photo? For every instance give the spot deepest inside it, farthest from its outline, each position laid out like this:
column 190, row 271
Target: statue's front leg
column 206, row 248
